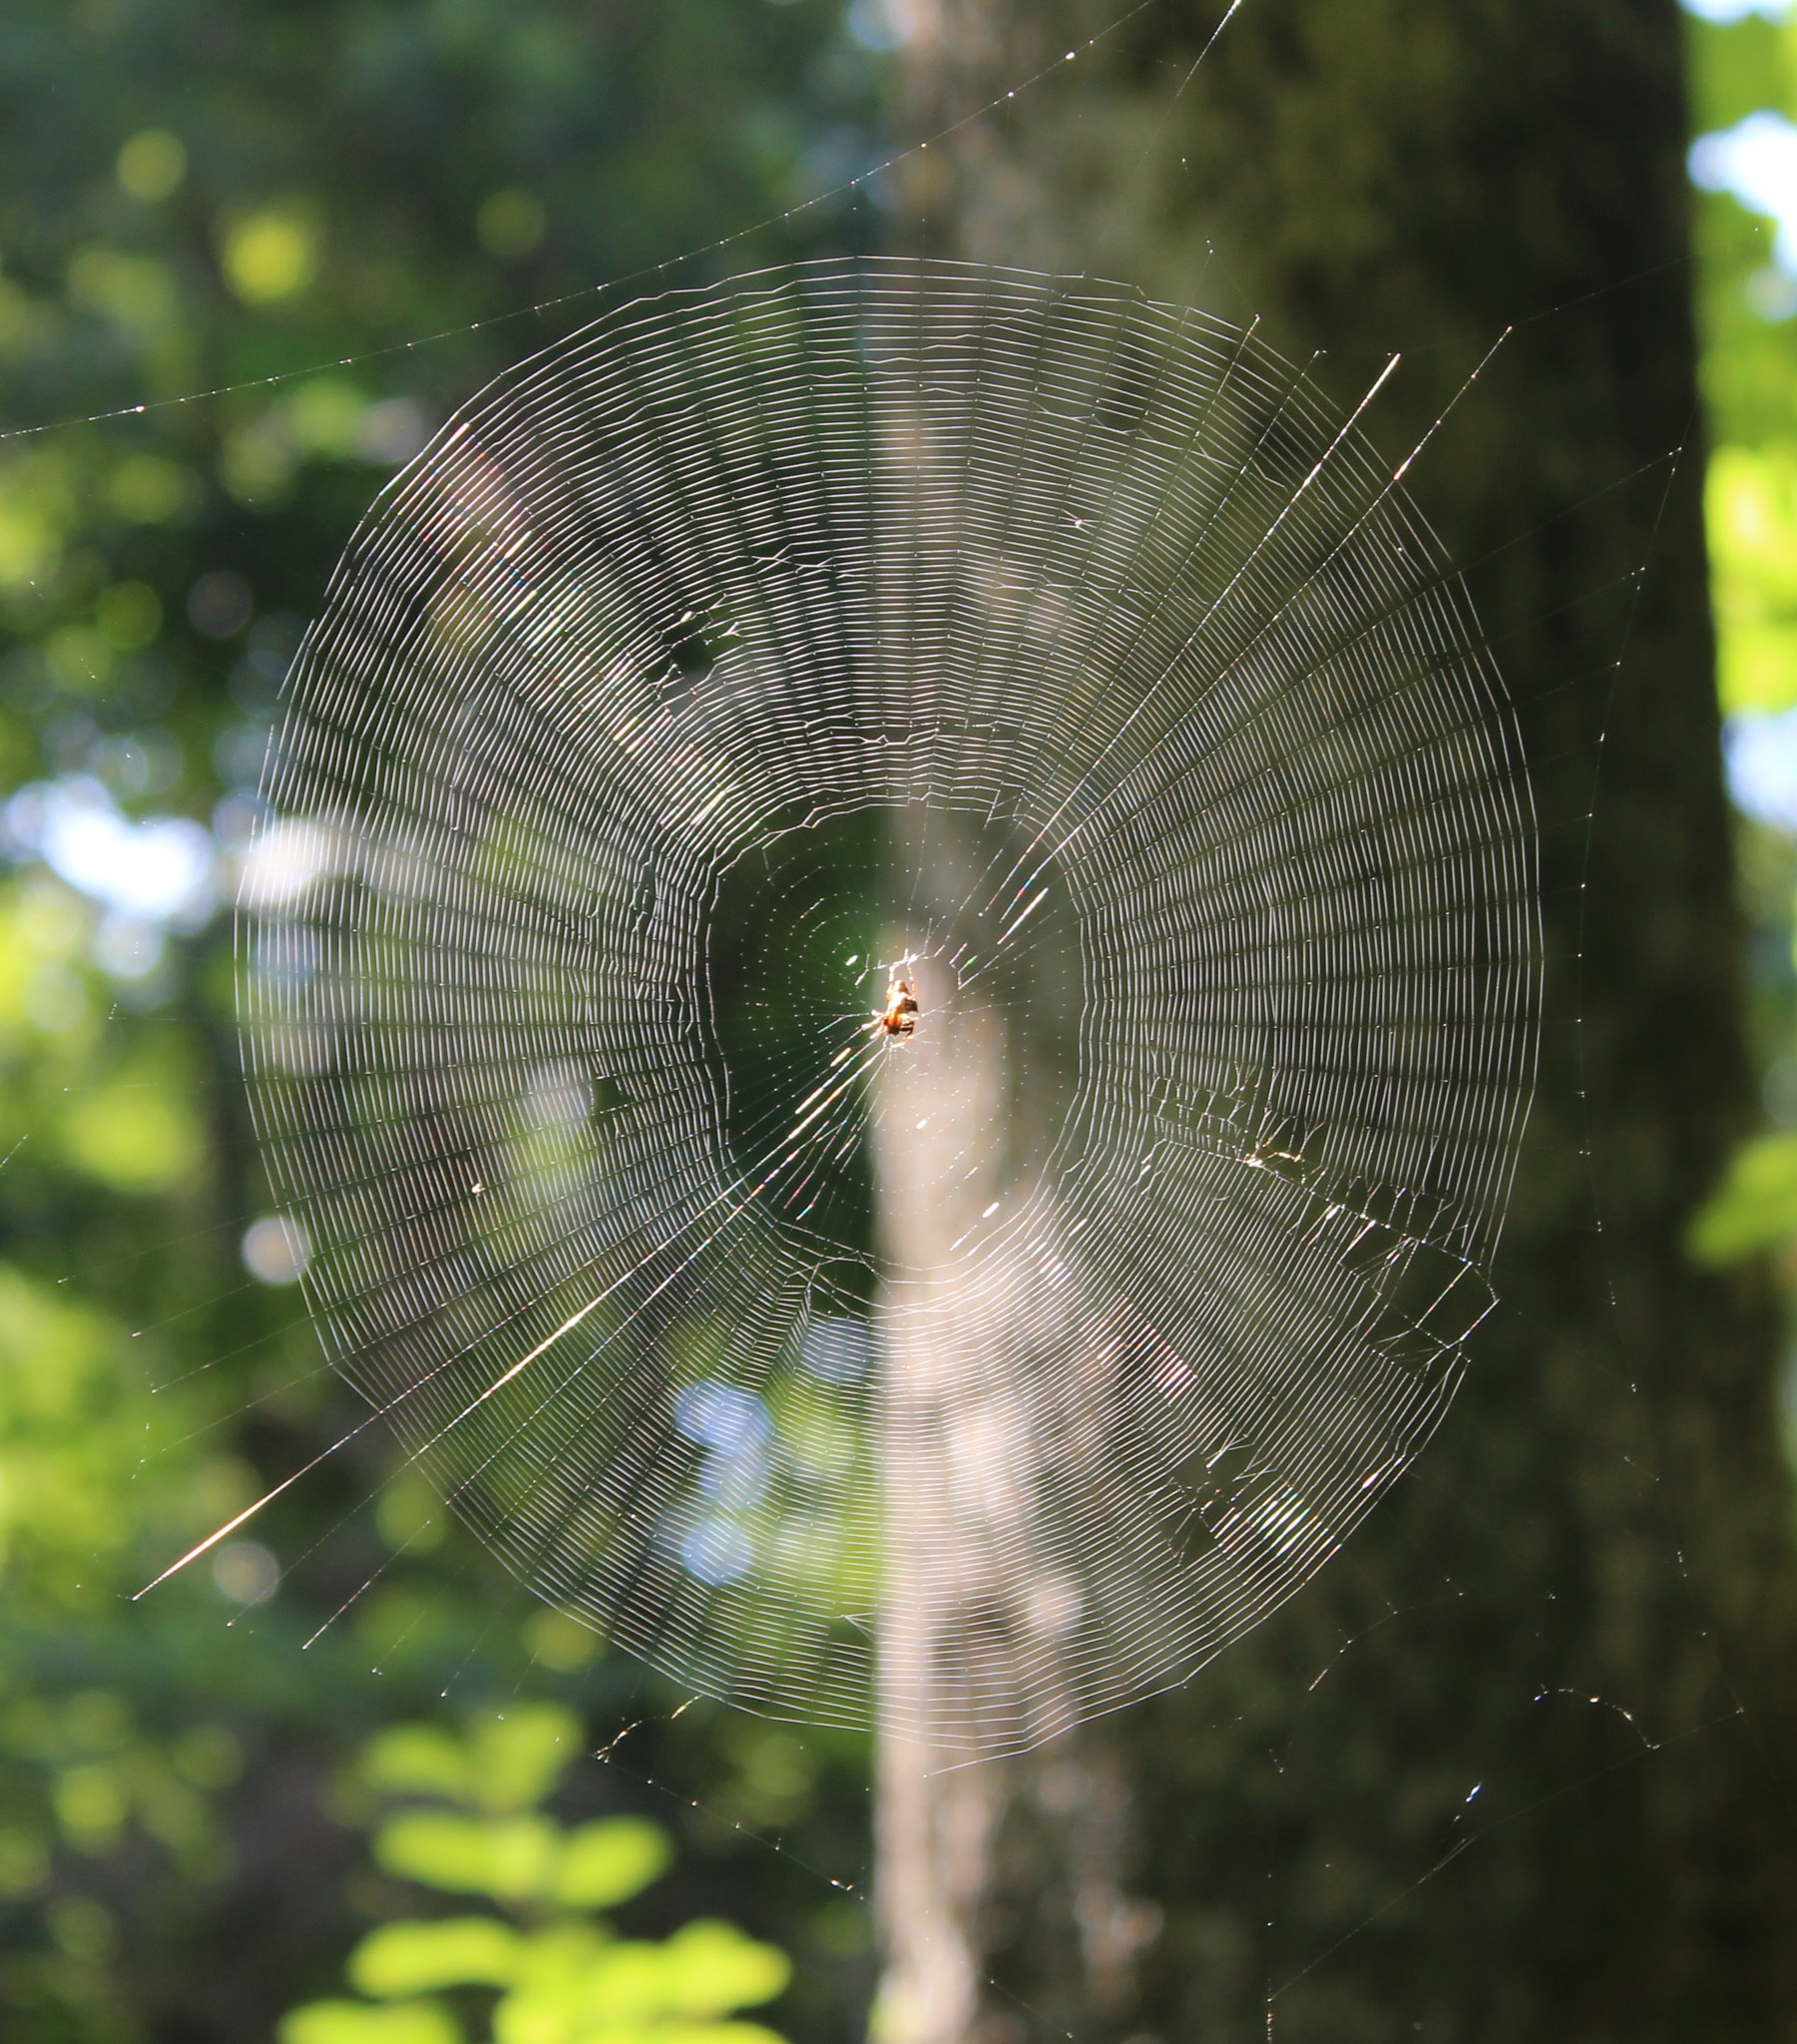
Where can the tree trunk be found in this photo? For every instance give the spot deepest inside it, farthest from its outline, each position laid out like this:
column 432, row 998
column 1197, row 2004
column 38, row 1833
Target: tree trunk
column 935, row 1818
column 1542, row 1791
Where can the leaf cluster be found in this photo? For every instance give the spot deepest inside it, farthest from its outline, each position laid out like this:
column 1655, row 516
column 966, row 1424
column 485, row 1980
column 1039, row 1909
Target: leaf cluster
column 547, row 1965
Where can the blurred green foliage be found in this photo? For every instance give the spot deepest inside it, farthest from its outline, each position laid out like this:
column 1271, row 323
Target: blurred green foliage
column 561, row 1974
column 1750, row 369
column 1746, row 306
column 280, row 205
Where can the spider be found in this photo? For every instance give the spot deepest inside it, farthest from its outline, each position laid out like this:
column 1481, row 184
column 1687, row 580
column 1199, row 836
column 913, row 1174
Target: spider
column 899, row 1016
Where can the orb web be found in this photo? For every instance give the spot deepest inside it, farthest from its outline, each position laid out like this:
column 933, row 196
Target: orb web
column 1064, row 654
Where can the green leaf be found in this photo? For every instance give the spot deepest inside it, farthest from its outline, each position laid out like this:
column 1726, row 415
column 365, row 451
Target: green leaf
column 693, row 2033
column 138, row 1130
column 607, row 1862
column 1754, row 1208
column 354, row 2022
column 713, row 1969
column 414, row 1958
column 1750, row 514
column 416, row 1759
column 1734, row 69
column 510, row 1858
column 507, row 1762
column 515, row 1759
column 70, row 1407
column 706, row 1969
column 547, row 2003
column 627, row 1982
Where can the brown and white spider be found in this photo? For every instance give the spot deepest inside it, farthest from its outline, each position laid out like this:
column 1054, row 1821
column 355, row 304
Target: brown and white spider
column 899, row 1016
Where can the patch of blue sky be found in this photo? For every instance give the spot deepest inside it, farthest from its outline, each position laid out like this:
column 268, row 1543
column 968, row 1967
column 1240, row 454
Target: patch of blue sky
column 1760, row 754
column 721, row 1417
column 718, row 1551
column 1755, row 162
column 160, row 870
column 1725, row 11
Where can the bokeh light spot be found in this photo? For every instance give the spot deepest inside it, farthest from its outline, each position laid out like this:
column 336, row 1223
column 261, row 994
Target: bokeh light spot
column 270, row 257
column 151, row 166
column 511, row 223
column 275, row 1251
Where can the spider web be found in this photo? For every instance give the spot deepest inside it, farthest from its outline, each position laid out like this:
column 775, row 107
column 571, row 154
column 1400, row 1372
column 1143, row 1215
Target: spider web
column 1065, row 653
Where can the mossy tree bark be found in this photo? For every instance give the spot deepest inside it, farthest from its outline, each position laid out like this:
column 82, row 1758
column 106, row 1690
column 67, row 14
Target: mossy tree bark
column 1543, row 1790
